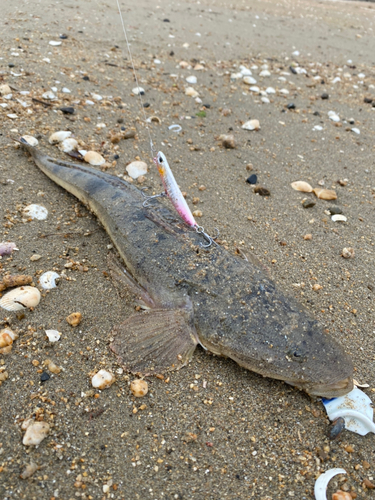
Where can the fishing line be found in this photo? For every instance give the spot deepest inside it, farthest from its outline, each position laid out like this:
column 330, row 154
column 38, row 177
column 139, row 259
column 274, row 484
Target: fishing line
column 153, row 151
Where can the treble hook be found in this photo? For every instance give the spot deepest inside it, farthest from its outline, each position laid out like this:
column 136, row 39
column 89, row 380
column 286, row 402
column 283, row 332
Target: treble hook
column 146, row 203
column 207, row 237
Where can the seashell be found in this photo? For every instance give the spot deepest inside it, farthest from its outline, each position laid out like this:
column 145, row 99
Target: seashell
column 265, row 100
column 302, row 186
column 20, row 298
column 53, row 335
column 35, row 433
column 325, row 194
column 333, row 116
column 339, row 218
column 54, row 43
column 191, row 79
column 7, row 336
column 48, row 280
column 138, row 90
column 52, row 367
column 318, row 127
column 139, row 388
column 68, row 145
column 136, row 168
column 97, row 97
column 36, row 212
column 227, row 141
column 348, row 253
column 94, row 158
column 59, row 136
column 356, row 130
column 265, row 72
column 12, row 116
column 74, row 319
column 49, row 95
column 245, row 71
column 155, row 119
column 270, row 90
column 102, row 379
column 184, row 64
column 191, row 92
column 65, row 90
column 198, row 67
column 30, row 140
column 322, row 482
column 251, row 125
column 284, row 91
column 7, row 248
column 236, row 76
column 5, row 89
column 249, row 80
column 254, row 88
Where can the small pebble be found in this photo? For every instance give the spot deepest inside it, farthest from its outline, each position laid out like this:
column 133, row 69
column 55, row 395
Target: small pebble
column 249, row 80
column 348, row 253
column 227, row 141
column 136, row 168
column 139, row 388
column 342, row 495
column 302, row 186
column 35, row 433
column 307, row 237
column 308, row 204
column 324, row 96
column 367, row 100
column 44, row 377
column 191, row 92
column 74, row 319
column 5, row 90
column 52, row 367
column 291, row 105
column 335, row 210
column 262, row 191
column 253, row 179
column 102, row 380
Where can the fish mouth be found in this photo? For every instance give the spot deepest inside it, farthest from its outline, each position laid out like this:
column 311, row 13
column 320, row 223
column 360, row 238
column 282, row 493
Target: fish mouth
column 329, row 391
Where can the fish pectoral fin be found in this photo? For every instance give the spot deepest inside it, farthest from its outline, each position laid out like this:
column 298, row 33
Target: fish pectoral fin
column 155, row 341
column 122, row 279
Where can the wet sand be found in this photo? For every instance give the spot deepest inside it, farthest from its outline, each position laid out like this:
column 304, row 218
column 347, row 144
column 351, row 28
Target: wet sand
column 212, row 430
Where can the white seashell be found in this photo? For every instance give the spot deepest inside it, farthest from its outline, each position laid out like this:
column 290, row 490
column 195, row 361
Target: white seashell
column 102, row 379
column 339, row 218
column 89, row 102
column 82, row 152
column 333, row 116
column 68, row 145
column 36, row 212
column 198, row 67
column 7, row 248
column 249, row 80
column 270, row 90
column 54, row 43
column 265, row 100
column 301, row 71
column 65, row 90
column 236, row 76
column 5, row 90
column 59, row 136
column 48, row 280
column 30, row 140
column 35, row 433
column 138, row 90
column 284, row 91
column 94, row 158
column 318, row 127
column 322, row 483
column 101, row 125
column 356, row 130
column 184, row 64
column 54, row 89
column 157, row 61
column 7, row 336
column 265, row 72
column 191, row 79
column 295, row 53
column 251, row 125
column 136, row 168
column 337, row 79
column 302, row 186
column 53, row 335
column 198, row 100
column 361, row 75
column 12, row 116
column 254, row 88
column 246, row 72
column 97, row 97
column 47, row 60
column 191, row 92
column 20, row 298
column 49, row 95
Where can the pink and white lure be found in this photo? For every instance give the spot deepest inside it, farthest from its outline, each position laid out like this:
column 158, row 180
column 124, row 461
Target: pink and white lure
column 178, row 201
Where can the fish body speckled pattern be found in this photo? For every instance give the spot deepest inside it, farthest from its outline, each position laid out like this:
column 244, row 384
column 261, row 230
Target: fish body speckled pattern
column 194, row 296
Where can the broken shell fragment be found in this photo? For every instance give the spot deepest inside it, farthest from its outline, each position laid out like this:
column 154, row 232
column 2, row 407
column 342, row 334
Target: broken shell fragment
column 30, row 140
column 94, row 158
column 48, row 280
column 20, row 298
column 251, row 125
column 339, row 218
column 53, row 335
column 7, row 248
column 68, row 145
column 227, row 141
column 102, row 379
column 35, row 433
column 49, row 95
column 74, row 319
column 191, row 92
column 29, row 470
column 139, row 388
column 37, row 212
column 302, row 186
column 348, row 253
column 59, row 136
column 3, row 376
column 136, row 168
column 325, row 194
column 7, row 336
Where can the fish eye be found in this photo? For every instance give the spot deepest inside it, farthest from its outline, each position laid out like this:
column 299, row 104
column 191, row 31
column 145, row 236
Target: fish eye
column 160, row 159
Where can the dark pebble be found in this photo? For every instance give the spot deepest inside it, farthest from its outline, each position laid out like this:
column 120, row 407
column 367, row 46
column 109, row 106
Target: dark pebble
column 166, row 21
column 367, row 100
column 146, row 105
column 316, row 113
column 171, row 53
column 335, row 210
column 63, row 36
column 207, row 106
column 253, row 179
column 308, row 204
column 262, row 191
column 292, row 70
column 337, row 428
column 324, row 95
column 86, row 78
column 44, row 377
column 291, row 105
column 116, row 157
column 373, row 104
column 120, row 120
column 11, row 65
column 123, row 128
column 67, row 111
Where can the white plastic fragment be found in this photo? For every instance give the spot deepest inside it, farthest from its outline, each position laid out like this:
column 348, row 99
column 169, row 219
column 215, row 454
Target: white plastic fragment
column 53, row 335
column 322, row 482
column 175, row 127
column 48, row 280
column 36, row 212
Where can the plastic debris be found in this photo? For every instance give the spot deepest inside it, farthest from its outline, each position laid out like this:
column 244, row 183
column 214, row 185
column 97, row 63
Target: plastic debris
column 322, row 482
column 175, row 127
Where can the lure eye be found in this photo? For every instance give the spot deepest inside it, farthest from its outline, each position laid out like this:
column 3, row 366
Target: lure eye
column 160, row 159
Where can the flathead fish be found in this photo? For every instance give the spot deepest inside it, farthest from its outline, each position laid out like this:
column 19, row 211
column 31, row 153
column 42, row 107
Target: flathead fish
column 195, row 296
